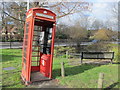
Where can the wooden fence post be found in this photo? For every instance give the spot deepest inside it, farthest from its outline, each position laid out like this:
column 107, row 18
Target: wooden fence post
column 81, row 58
column 66, row 54
column 10, row 44
column 62, row 69
column 111, row 61
column 100, row 80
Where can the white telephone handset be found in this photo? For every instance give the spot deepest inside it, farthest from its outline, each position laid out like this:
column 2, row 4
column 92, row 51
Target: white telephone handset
column 41, row 39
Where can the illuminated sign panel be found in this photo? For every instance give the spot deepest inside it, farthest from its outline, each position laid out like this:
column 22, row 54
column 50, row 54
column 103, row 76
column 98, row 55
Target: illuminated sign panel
column 43, row 15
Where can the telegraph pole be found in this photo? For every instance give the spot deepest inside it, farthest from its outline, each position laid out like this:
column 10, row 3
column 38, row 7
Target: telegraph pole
column 28, row 4
column 2, row 17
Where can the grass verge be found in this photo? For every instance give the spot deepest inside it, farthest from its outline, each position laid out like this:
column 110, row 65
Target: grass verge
column 79, row 76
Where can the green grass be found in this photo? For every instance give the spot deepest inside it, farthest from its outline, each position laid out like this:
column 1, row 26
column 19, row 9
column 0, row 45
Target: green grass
column 86, row 76
column 11, row 58
column 79, row 76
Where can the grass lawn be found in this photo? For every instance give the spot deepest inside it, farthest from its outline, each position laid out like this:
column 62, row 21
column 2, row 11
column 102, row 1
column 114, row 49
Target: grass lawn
column 80, row 76
column 11, row 58
column 86, row 76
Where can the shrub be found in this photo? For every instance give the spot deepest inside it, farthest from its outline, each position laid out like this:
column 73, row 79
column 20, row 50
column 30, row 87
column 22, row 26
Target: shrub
column 61, row 51
column 99, row 46
column 116, row 53
column 117, row 57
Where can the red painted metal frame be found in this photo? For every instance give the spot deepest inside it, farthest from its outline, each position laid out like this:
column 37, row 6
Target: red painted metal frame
column 52, row 49
column 31, row 16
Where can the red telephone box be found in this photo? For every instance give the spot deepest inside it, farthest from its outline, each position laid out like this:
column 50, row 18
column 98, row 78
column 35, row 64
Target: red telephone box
column 38, row 45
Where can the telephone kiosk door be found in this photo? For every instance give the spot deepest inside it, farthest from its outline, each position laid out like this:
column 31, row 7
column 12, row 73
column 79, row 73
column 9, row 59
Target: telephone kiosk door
column 45, row 50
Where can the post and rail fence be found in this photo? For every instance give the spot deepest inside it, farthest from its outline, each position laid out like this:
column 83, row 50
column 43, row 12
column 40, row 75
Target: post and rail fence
column 91, row 55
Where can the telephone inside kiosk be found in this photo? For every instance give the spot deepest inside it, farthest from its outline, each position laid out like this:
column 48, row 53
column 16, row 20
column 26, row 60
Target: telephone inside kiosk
column 38, row 45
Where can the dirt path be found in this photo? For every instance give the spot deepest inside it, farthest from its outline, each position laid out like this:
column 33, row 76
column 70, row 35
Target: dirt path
column 46, row 84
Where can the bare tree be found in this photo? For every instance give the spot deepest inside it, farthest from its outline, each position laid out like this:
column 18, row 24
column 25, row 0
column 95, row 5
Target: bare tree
column 14, row 12
column 60, row 8
column 97, row 24
column 77, row 34
column 112, row 21
column 64, row 8
column 115, row 9
column 84, row 21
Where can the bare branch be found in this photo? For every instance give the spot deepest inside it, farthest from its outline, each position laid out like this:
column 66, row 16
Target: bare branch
column 13, row 17
column 55, row 5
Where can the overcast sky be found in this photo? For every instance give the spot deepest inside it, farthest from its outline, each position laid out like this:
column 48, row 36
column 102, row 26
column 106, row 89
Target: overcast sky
column 100, row 10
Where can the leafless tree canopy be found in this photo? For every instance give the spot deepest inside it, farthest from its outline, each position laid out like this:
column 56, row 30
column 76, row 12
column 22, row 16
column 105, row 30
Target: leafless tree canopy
column 13, row 13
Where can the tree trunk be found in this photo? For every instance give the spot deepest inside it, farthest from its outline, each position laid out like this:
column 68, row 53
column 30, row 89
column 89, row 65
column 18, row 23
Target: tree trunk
column 78, row 45
column 6, row 33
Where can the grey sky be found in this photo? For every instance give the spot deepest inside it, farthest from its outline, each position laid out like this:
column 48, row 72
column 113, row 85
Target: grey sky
column 100, row 10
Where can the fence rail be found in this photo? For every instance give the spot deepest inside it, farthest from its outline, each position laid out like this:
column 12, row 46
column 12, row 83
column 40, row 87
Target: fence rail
column 4, row 45
column 91, row 55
